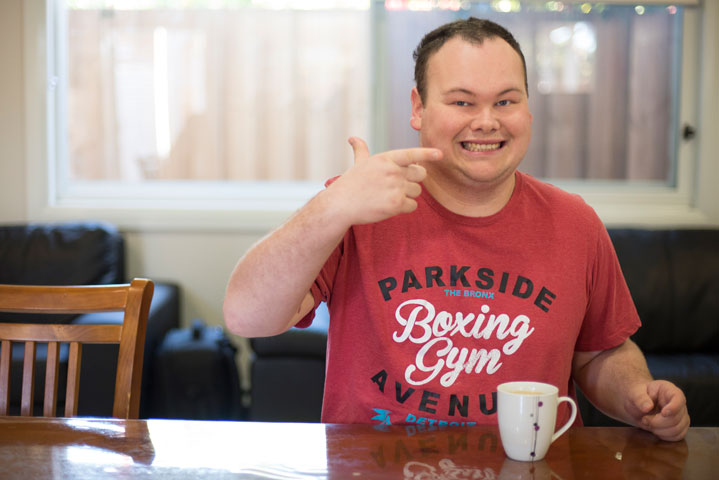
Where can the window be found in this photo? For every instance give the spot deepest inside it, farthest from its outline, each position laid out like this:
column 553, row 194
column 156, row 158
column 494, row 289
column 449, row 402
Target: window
column 602, row 83
column 217, row 90
column 220, row 107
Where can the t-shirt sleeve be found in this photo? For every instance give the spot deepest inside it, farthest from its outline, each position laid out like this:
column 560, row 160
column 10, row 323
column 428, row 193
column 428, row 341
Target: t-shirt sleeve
column 611, row 316
column 322, row 286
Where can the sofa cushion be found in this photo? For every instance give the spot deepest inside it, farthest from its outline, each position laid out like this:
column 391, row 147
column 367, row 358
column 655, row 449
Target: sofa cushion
column 673, row 276
column 84, row 253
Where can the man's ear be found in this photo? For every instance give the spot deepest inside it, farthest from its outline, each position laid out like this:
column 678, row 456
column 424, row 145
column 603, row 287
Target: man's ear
column 416, row 120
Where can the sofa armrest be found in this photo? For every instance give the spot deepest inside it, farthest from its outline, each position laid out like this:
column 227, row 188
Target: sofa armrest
column 303, row 342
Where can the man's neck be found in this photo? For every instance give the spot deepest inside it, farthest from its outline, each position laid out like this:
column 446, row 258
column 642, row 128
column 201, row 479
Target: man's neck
column 476, row 200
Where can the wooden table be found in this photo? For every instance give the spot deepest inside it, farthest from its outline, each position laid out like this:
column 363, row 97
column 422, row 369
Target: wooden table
column 81, row 448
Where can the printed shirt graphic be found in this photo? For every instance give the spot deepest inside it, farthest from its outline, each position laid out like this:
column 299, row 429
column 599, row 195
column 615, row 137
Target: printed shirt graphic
column 430, row 311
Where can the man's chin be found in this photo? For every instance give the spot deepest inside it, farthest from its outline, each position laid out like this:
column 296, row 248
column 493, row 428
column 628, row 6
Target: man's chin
column 484, row 177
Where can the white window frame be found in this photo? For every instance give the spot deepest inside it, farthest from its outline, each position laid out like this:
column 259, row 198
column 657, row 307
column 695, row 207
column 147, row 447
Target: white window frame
column 260, row 206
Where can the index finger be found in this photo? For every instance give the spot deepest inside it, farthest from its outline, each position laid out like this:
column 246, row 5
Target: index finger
column 408, row 156
column 669, row 397
column 672, row 404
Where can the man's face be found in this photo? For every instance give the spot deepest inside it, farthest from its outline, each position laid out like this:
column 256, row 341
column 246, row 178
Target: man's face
column 476, row 111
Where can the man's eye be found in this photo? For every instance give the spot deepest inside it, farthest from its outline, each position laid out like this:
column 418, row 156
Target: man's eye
column 461, row 103
column 503, row 103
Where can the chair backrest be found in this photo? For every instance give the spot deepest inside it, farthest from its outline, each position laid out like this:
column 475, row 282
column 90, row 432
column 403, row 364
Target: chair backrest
column 133, row 299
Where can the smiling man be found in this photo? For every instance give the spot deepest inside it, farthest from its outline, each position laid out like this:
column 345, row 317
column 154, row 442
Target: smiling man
column 482, row 127
column 447, row 271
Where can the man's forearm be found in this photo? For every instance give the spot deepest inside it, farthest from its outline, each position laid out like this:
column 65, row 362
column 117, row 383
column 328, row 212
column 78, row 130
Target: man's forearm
column 607, row 377
column 268, row 284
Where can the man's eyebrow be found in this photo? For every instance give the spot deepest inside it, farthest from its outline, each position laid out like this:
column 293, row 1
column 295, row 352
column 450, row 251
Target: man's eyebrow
column 511, row 90
column 459, row 90
column 471, row 93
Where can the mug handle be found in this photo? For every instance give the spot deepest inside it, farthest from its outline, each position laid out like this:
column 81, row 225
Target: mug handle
column 572, row 416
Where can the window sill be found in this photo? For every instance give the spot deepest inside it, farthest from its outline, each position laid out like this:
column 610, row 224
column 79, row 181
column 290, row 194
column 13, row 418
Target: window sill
column 652, row 208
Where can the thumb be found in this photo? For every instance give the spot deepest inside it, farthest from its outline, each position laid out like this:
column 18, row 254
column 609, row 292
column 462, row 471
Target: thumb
column 359, row 147
column 667, row 397
column 642, row 401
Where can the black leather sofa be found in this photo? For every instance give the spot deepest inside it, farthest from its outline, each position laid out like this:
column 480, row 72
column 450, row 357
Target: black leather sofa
column 84, row 253
column 673, row 276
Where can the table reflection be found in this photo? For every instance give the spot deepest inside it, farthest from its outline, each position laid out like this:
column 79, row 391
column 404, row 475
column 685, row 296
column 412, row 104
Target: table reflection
column 643, row 456
column 433, row 453
column 247, row 448
column 33, row 448
column 515, row 470
column 476, row 452
column 40, row 448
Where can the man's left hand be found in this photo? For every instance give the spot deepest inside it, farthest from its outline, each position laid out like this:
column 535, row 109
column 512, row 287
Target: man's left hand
column 661, row 408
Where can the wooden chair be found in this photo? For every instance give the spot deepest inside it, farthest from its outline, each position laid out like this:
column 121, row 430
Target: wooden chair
column 133, row 299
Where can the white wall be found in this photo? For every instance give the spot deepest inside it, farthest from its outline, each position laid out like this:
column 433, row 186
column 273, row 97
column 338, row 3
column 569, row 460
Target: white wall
column 12, row 114
column 200, row 262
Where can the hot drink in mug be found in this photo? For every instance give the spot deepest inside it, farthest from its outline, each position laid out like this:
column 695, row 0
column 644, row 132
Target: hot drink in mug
column 527, row 414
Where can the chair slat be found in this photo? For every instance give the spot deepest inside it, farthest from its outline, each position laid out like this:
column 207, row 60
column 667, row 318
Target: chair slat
column 51, row 369
column 73, row 379
column 18, row 332
column 28, row 380
column 72, row 299
column 5, row 360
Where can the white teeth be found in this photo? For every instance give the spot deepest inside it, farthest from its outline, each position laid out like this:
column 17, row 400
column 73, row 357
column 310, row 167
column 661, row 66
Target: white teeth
column 480, row 147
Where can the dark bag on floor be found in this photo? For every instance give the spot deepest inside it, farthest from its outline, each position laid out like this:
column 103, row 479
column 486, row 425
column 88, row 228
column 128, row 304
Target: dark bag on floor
column 196, row 376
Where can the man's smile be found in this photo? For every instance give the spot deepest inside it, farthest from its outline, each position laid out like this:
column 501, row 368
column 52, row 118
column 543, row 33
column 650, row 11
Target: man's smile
column 482, row 147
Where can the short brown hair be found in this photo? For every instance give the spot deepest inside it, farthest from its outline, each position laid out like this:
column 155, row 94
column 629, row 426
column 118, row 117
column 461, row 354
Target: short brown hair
column 473, row 30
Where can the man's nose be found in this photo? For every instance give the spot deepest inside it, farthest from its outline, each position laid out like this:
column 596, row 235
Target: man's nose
column 484, row 120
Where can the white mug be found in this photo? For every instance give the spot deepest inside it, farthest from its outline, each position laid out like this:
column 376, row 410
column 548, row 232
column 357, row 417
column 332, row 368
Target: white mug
column 527, row 415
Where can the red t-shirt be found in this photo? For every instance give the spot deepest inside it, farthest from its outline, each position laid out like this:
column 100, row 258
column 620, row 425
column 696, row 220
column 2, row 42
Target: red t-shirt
column 430, row 311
